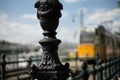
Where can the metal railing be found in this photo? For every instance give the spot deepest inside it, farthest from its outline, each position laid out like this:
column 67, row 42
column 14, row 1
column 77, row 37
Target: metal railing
column 15, row 72
column 109, row 70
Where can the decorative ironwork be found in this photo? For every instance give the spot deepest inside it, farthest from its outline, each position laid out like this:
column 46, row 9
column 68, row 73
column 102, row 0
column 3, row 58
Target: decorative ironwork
column 50, row 68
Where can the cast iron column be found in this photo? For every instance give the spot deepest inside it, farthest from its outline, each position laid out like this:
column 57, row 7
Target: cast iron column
column 50, row 68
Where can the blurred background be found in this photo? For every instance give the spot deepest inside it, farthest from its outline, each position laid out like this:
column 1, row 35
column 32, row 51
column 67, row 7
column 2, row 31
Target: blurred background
column 20, row 30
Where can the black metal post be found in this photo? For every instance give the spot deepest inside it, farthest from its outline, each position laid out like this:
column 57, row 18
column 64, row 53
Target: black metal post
column 99, row 68
column 119, row 65
column 105, row 69
column 3, row 67
column 109, row 69
column 84, row 73
column 94, row 71
column 29, row 63
column 115, row 68
column 50, row 68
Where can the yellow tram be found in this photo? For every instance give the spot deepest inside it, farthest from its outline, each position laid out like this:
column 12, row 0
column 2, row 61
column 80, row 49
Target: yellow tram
column 98, row 40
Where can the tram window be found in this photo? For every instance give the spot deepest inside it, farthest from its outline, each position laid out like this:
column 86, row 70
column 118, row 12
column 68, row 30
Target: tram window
column 102, row 39
column 87, row 37
column 97, row 41
column 118, row 44
column 109, row 42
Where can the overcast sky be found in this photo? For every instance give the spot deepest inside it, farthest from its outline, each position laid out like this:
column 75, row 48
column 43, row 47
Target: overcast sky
column 18, row 22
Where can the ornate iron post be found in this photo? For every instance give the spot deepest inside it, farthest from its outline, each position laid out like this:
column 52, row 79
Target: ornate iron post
column 3, row 67
column 50, row 68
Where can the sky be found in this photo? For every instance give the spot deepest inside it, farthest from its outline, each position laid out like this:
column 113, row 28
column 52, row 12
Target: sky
column 19, row 24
